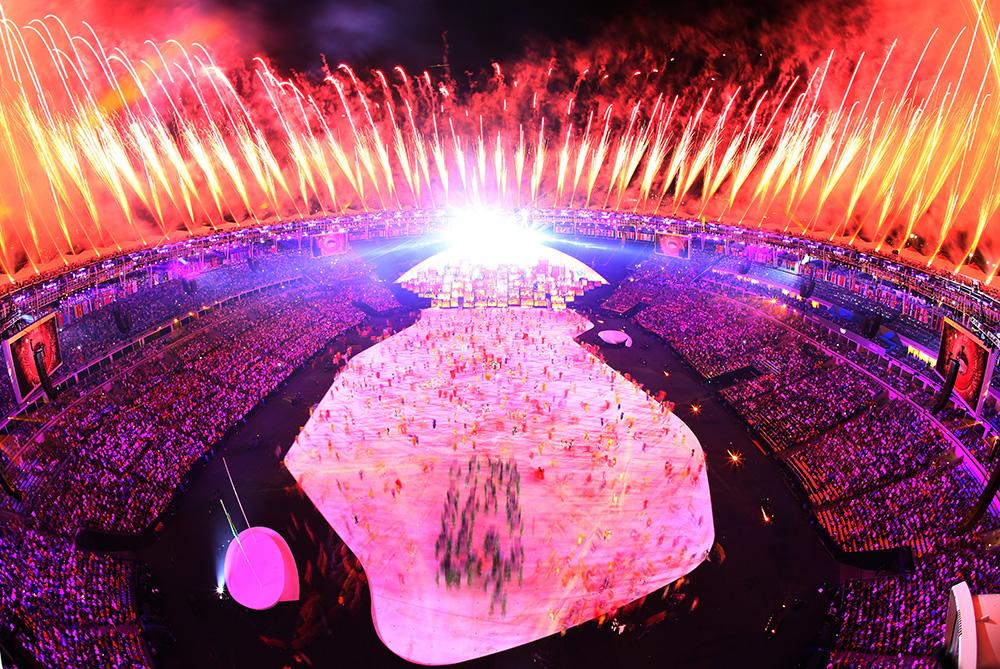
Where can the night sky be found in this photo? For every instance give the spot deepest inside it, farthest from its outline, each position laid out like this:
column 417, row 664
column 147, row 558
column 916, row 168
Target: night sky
column 417, row 33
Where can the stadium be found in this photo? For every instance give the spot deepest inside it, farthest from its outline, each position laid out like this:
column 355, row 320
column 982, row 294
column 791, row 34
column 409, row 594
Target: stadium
column 564, row 367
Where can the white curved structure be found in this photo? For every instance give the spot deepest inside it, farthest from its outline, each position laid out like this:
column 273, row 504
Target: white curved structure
column 615, row 338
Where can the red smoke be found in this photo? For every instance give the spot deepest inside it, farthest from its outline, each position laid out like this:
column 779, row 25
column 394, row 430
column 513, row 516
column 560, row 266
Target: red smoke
column 819, row 59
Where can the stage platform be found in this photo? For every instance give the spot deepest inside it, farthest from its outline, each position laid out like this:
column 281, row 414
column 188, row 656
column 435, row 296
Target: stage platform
column 499, row 483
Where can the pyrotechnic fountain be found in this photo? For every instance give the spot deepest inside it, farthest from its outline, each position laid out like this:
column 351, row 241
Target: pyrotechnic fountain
column 105, row 150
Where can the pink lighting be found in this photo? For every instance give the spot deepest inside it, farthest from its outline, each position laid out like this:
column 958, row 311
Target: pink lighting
column 522, row 272
column 499, row 483
column 260, row 570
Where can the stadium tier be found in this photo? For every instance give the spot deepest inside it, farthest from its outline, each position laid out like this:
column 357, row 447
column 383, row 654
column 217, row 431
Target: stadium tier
column 382, row 333
column 796, row 441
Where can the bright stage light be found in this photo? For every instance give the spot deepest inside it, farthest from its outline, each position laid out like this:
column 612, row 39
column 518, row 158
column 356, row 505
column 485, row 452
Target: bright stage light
column 495, row 236
column 497, row 258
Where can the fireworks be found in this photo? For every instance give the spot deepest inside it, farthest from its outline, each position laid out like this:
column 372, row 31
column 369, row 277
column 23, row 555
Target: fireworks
column 105, row 150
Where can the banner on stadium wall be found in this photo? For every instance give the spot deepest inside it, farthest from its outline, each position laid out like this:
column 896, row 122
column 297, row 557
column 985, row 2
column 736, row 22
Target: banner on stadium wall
column 975, row 363
column 19, row 351
column 672, row 245
column 329, row 244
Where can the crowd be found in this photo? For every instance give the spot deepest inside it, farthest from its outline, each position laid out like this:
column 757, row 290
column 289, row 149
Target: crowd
column 960, row 422
column 355, row 281
column 901, row 618
column 884, row 444
column 66, row 608
column 795, row 391
column 969, row 430
column 98, row 332
column 862, row 660
column 711, row 350
column 128, row 445
column 488, row 558
column 643, row 285
column 879, row 471
column 904, row 377
column 111, row 454
column 718, row 336
column 805, row 409
column 150, row 307
column 920, row 511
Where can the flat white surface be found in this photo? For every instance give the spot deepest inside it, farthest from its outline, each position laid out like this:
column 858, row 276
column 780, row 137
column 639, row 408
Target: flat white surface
column 608, row 513
column 615, row 337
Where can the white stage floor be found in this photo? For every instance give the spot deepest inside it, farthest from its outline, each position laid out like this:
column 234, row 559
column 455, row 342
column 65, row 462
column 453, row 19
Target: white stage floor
column 479, row 466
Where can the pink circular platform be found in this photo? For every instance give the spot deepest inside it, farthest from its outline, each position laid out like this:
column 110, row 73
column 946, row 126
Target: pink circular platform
column 260, row 570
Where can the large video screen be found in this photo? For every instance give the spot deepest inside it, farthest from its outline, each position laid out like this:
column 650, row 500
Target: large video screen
column 674, row 246
column 329, row 244
column 19, row 352
column 975, row 362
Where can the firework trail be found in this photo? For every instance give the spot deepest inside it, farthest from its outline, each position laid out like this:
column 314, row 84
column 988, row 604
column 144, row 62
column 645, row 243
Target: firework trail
column 107, row 148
